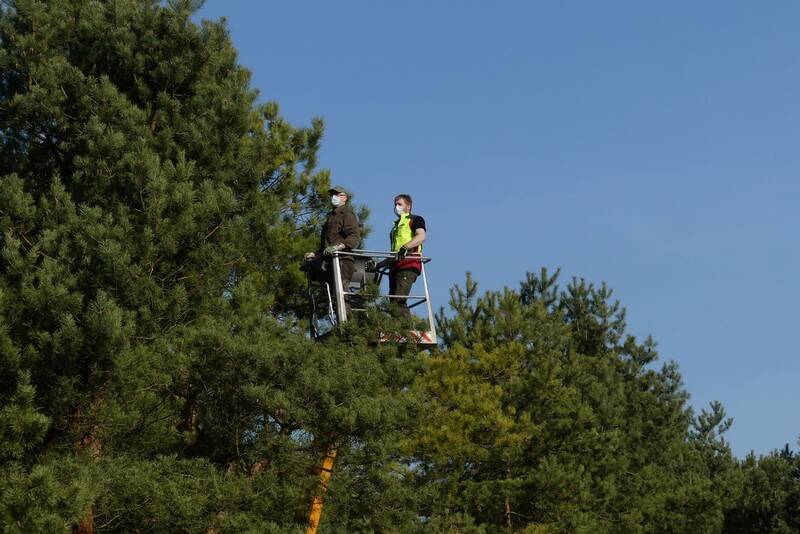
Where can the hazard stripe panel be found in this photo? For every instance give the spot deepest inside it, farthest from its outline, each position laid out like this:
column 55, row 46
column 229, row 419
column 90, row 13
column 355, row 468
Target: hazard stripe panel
column 422, row 337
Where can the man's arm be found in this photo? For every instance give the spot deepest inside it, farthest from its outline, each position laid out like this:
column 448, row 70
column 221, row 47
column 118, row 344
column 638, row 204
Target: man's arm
column 418, row 226
column 417, row 240
column 351, row 230
column 318, row 252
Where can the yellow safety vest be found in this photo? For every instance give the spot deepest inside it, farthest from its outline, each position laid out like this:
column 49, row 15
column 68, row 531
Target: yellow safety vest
column 401, row 234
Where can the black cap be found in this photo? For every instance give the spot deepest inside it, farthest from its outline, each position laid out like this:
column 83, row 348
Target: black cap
column 339, row 189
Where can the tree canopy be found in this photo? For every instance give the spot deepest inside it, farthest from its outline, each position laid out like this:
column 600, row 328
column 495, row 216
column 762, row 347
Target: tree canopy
column 154, row 371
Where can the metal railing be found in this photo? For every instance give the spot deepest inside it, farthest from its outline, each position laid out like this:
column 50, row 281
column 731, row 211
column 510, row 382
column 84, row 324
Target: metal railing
column 340, row 293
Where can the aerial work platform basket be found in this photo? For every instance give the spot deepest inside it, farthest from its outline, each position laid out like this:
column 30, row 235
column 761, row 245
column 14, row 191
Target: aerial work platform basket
column 332, row 304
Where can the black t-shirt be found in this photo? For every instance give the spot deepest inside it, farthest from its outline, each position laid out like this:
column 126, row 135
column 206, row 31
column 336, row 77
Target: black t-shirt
column 416, row 223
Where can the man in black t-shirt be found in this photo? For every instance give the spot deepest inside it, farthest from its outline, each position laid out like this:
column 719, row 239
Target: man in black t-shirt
column 405, row 238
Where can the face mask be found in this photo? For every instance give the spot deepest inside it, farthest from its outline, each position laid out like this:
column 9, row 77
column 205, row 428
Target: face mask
column 336, row 201
column 399, row 210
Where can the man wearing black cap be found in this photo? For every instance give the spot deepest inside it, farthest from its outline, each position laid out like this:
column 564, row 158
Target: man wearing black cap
column 340, row 232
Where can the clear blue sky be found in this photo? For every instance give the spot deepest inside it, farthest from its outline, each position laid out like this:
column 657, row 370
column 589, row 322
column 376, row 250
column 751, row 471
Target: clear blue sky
column 650, row 145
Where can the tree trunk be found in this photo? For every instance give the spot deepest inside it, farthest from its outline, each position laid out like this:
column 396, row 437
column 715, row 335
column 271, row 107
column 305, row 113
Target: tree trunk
column 88, row 442
column 324, row 479
column 85, row 525
column 507, row 502
column 508, row 512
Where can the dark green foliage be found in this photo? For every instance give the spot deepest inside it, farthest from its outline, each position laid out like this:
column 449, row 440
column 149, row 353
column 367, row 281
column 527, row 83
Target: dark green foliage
column 153, row 216
column 769, row 499
column 49, row 496
column 545, row 415
column 154, row 375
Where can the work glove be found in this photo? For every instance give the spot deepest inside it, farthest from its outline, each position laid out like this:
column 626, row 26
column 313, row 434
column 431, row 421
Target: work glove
column 333, row 248
column 309, row 256
column 402, row 253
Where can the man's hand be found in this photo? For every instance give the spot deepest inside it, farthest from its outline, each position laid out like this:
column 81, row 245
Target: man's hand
column 309, row 256
column 402, row 253
column 333, row 248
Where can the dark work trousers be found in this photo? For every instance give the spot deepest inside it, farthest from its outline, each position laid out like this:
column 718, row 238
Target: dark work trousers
column 400, row 283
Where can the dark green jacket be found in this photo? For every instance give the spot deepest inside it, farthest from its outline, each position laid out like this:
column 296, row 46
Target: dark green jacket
column 341, row 226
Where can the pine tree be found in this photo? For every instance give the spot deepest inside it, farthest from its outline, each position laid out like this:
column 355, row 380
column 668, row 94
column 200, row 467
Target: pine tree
column 543, row 415
column 767, row 496
column 154, row 374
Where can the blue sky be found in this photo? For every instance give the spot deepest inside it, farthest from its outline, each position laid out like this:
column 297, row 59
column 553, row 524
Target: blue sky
column 653, row 146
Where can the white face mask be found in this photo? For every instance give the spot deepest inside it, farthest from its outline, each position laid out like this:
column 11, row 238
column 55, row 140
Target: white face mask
column 336, row 201
column 398, row 209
